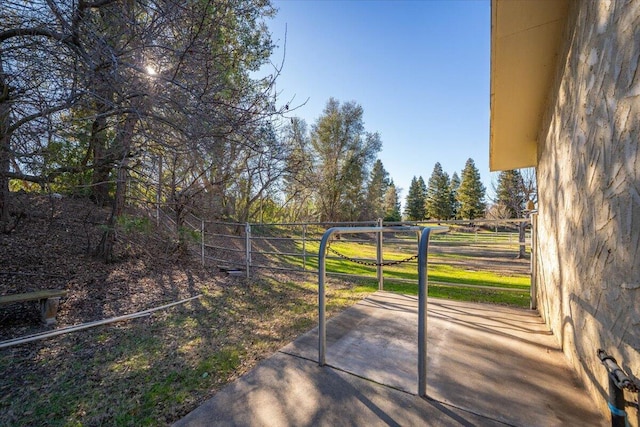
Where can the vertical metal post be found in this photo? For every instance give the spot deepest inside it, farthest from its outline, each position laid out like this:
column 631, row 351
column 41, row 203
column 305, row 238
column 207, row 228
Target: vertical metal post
column 304, row 247
column 534, row 261
column 322, row 329
column 247, row 233
column 379, row 270
column 202, row 238
column 423, row 287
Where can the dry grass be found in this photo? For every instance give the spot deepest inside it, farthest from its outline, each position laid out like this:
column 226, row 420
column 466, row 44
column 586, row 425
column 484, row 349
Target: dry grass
column 148, row 371
column 154, row 370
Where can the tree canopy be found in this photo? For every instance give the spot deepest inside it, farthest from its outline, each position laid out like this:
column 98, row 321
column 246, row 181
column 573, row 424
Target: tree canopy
column 377, row 187
column 96, row 97
column 454, row 186
column 342, row 153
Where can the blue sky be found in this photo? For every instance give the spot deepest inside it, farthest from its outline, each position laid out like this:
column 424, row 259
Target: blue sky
column 419, row 69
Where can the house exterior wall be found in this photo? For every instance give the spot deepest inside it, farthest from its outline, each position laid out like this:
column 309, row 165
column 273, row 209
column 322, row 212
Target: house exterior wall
column 588, row 269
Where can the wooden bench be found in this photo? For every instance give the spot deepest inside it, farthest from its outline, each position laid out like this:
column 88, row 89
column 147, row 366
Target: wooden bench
column 48, row 299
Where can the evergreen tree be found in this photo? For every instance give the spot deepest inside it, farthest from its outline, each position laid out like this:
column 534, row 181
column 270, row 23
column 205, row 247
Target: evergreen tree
column 376, row 192
column 510, row 192
column 392, row 204
column 471, row 193
column 354, row 192
column 455, row 205
column 438, row 200
column 414, row 209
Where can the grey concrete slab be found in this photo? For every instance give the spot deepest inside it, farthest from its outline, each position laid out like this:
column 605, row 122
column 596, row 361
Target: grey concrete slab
column 487, row 365
column 375, row 339
column 289, row 391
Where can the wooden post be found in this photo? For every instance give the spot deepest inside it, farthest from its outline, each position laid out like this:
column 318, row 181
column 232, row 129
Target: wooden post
column 49, row 309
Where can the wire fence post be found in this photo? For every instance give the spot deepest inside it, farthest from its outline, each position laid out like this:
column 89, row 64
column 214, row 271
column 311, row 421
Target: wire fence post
column 379, row 269
column 202, row 240
column 247, row 233
column 304, row 247
column 159, row 191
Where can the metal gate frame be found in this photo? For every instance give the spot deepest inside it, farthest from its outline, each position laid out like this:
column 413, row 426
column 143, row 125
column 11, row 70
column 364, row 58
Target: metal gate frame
column 423, row 248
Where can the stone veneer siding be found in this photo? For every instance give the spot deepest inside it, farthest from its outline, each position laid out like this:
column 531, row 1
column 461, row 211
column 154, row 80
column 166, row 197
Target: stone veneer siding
column 588, row 269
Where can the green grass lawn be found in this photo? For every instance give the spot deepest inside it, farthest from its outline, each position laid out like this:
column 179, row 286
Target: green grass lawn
column 443, row 271
column 440, row 267
column 493, row 296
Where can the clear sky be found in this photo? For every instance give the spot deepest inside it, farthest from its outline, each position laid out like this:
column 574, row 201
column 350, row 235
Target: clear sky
column 419, row 69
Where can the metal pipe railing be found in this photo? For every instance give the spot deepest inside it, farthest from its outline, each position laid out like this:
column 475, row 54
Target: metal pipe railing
column 618, row 382
column 379, row 270
column 423, row 246
column 423, row 249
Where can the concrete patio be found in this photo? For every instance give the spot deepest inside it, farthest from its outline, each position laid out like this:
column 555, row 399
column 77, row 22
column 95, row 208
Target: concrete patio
column 487, row 365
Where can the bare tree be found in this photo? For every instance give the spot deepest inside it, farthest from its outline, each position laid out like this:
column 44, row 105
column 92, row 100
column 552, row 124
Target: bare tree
column 35, row 49
column 514, row 189
column 298, row 180
column 497, row 212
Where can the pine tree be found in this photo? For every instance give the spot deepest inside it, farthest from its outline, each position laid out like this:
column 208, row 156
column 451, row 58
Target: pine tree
column 392, row 204
column 471, row 193
column 455, row 205
column 438, row 200
column 414, row 209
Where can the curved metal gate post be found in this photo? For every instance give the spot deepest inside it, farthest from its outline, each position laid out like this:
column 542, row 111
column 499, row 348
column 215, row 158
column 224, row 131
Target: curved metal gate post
column 423, row 288
column 423, row 248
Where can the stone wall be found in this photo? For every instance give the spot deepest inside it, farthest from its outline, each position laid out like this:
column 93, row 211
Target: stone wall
column 588, row 270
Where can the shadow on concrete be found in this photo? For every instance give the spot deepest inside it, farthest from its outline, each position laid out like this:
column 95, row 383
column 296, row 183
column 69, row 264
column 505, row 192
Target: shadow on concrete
column 487, row 365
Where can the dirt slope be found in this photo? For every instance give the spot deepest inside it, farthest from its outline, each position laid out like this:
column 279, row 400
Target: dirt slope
column 50, row 248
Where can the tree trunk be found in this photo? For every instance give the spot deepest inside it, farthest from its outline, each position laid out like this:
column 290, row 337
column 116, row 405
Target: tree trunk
column 107, row 242
column 102, row 167
column 5, row 150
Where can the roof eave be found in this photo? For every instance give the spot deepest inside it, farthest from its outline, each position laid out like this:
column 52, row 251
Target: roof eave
column 526, row 36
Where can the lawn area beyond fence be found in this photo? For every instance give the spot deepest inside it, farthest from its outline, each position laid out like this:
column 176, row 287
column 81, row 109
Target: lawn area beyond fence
column 476, row 262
